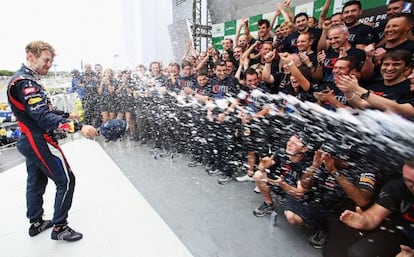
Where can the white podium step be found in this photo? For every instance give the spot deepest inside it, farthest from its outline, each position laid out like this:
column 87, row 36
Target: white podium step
column 115, row 219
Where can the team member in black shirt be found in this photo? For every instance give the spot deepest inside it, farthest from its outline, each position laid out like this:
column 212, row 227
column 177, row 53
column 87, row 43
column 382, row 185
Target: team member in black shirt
column 360, row 35
column 397, row 198
column 394, row 93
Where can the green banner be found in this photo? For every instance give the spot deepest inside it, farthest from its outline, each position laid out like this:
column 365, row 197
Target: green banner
column 369, row 4
column 253, row 22
column 216, row 41
column 317, row 9
column 230, row 28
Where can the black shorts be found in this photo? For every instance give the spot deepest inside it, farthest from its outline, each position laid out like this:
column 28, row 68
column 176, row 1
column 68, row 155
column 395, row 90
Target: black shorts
column 312, row 214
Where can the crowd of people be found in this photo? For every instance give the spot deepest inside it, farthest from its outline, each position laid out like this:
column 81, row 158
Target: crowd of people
column 9, row 135
column 261, row 110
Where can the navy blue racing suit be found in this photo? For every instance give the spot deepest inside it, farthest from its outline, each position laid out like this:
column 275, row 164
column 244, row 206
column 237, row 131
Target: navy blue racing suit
column 44, row 157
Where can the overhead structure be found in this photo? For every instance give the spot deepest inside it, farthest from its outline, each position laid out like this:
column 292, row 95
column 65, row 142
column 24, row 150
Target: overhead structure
column 201, row 25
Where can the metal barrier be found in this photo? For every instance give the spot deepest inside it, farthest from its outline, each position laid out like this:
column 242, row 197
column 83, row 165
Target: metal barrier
column 8, row 146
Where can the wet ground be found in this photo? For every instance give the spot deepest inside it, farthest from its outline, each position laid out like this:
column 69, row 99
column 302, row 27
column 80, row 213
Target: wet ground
column 212, row 220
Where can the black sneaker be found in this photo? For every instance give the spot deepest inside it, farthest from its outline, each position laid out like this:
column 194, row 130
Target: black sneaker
column 193, row 163
column 225, row 180
column 215, row 172
column 39, row 226
column 263, row 209
column 65, row 233
column 208, row 168
column 318, row 239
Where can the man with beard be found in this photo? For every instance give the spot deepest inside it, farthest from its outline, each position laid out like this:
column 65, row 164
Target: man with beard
column 360, row 35
column 301, row 22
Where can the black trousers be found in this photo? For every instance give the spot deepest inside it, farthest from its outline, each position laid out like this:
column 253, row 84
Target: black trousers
column 348, row 242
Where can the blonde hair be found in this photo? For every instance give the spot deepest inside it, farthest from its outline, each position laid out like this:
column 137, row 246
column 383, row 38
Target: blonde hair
column 37, row 47
column 288, row 24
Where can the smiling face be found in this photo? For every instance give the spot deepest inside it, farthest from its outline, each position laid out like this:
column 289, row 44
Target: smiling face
column 337, row 38
column 295, row 146
column 303, row 42
column 262, row 30
column 394, row 8
column 243, row 41
column 392, row 70
column 341, row 67
column 252, row 80
column 301, row 23
column 220, row 71
column 337, row 19
column 42, row 63
column 351, row 14
column 396, row 29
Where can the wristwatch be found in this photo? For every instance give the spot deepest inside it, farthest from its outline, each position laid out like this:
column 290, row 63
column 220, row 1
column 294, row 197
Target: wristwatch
column 365, row 95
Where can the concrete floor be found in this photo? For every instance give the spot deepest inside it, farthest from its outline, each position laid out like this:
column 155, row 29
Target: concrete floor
column 210, row 219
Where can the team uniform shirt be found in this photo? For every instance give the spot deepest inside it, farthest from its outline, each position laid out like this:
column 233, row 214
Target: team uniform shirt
column 328, row 79
column 183, row 82
column 24, row 91
column 283, row 84
column 313, row 57
column 291, row 40
column 360, row 34
column 291, row 172
column 76, row 88
column 396, row 197
column 90, row 81
column 161, row 80
column 256, row 50
column 280, row 44
column 223, row 88
column 330, row 194
column 203, row 90
column 108, row 99
column 400, row 93
column 253, row 100
column 407, row 45
column 125, row 98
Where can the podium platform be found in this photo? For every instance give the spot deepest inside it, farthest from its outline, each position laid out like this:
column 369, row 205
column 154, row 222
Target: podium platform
column 114, row 218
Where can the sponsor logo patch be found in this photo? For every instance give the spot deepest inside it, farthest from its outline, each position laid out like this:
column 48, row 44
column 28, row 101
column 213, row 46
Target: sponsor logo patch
column 29, row 90
column 34, row 100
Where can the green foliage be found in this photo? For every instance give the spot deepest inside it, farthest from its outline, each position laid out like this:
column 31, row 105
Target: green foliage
column 6, row 72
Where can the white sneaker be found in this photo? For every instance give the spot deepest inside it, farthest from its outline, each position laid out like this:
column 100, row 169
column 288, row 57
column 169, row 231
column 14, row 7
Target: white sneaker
column 257, row 190
column 245, row 178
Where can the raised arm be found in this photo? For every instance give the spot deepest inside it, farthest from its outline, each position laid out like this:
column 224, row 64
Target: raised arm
column 360, row 196
column 324, row 12
column 294, row 71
